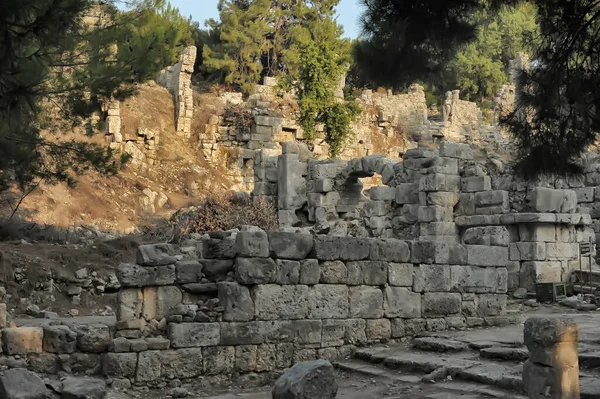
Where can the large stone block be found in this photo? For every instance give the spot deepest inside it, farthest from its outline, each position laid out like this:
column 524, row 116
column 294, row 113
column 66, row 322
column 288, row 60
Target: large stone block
column 382, row 193
column 252, row 244
column 527, row 251
column 366, row 302
column 455, row 150
column 489, row 235
column 407, row 193
column 561, row 250
column 22, row 384
column 22, row 340
column 131, row 275
column 474, row 184
column 333, row 272
column 401, row 302
column 491, row 198
column 478, row 279
column 93, row 338
column 245, row 358
column 290, row 245
column 310, row 272
column 149, row 366
column 447, row 229
column 547, row 337
column 119, row 365
column 438, row 252
column 370, row 272
column 59, row 339
column 400, row 274
column 483, row 255
column 439, row 182
column 218, row 360
column 236, row 300
column 188, row 271
column 444, row 199
column 389, row 250
column 216, row 269
column 156, row 254
column 328, row 302
column 288, row 272
column 188, row 335
column 274, row 302
column 378, row 330
column 315, row 380
column 159, row 300
column 432, row 278
column 129, row 303
column 548, row 200
column 246, row 333
column 440, row 304
column 540, row 272
column 255, row 270
column 534, row 232
column 219, row 248
column 432, row 213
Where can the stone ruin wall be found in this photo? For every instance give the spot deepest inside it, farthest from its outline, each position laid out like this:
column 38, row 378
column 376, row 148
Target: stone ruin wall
column 251, row 301
column 443, row 198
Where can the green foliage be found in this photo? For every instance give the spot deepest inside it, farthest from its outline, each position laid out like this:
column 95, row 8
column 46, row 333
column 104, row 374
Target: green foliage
column 323, row 60
column 54, row 63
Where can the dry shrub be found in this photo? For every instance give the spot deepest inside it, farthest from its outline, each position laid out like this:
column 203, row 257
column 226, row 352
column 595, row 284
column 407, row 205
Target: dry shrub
column 224, row 212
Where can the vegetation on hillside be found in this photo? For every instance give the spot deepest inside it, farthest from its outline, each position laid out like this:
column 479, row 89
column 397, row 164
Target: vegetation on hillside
column 64, row 58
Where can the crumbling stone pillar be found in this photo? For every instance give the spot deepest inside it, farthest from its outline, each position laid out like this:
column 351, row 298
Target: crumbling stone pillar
column 552, row 370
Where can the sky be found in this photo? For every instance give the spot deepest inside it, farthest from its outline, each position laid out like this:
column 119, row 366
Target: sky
column 201, row 10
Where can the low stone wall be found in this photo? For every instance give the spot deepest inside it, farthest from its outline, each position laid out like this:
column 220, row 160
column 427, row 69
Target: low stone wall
column 257, row 302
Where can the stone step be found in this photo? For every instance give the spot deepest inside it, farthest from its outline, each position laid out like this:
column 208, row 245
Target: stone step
column 505, row 353
column 434, row 344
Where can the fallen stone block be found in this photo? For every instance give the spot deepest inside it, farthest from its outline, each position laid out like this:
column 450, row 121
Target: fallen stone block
column 307, row 380
column 83, row 388
column 22, row 340
column 22, row 384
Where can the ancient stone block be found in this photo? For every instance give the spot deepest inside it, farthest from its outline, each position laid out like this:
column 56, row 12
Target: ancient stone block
column 553, row 201
column 442, row 198
column 398, row 328
column 491, row 198
column 376, row 208
column 400, row 274
column 333, row 332
column 539, row 272
column 219, row 248
column 149, row 366
column 188, row 335
column 439, row 182
column 378, row 329
column 290, row 245
column 245, row 358
column 440, row 304
column 93, row 338
column 548, row 337
column 188, row 271
column 266, row 357
column 252, row 244
column 534, row 232
column 159, row 300
column 119, row 365
column 180, row 363
column 246, row 333
column 288, row 272
column 490, row 305
column 382, row 193
column 310, row 272
column 474, row 184
column 366, row 302
column 131, row 275
column 401, row 302
column 22, row 340
column 489, row 235
column 432, row 278
column 483, row 255
column 218, row 360
column 527, row 251
column 478, row 279
column 414, row 326
column 561, row 250
column 439, row 229
column 436, row 324
column 255, row 270
column 156, row 255
column 22, row 384
column 438, row 252
column 314, row 379
column 585, row 194
column 333, row 272
column 389, row 250
column 434, row 214
column 216, row 269
column 236, row 300
column 59, row 339
column 328, row 302
column 273, row 302
column 407, row 193
column 455, row 150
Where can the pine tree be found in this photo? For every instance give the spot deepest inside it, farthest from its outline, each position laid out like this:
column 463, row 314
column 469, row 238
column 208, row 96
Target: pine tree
column 242, row 45
column 54, row 63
